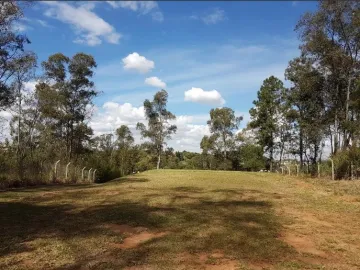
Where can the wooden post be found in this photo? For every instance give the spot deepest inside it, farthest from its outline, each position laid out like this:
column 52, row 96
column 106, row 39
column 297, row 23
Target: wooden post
column 55, row 169
column 67, row 171
column 94, row 175
column 319, row 170
column 288, row 169
column 332, row 169
column 82, row 174
column 297, row 170
column 89, row 175
column 352, row 171
column 282, row 170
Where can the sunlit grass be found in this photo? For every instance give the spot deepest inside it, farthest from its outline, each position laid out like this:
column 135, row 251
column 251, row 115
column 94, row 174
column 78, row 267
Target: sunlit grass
column 203, row 219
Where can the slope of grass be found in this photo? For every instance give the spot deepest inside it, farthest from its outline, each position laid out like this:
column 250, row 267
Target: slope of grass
column 172, row 219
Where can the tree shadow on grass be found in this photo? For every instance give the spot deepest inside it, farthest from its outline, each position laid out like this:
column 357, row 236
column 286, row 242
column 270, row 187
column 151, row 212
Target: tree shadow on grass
column 133, row 179
column 188, row 189
column 243, row 229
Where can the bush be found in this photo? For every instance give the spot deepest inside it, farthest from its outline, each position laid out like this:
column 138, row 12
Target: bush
column 343, row 161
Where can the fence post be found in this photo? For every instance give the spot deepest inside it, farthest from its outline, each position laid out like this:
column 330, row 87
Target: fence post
column 67, row 171
column 89, row 175
column 94, row 175
column 282, row 170
column 82, row 174
column 352, row 171
column 55, row 169
column 297, row 169
column 319, row 170
column 288, row 169
column 332, row 169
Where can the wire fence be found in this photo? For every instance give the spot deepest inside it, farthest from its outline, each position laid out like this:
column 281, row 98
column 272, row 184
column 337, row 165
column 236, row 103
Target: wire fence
column 46, row 173
column 329, row 169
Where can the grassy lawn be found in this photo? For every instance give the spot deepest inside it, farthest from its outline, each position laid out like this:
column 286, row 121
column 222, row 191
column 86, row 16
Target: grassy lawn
column 173, row 219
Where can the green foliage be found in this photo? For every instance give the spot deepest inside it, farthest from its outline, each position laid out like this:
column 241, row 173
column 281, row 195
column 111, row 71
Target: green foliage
column 266, row 113
column 321, row 104
column 12, row 50
column 252, row 157
column 222, row 124
column 158, row 129
column 343, row 160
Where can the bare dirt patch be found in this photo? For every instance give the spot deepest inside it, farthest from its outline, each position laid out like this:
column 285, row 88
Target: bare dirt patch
column 303, row 184
column 124, row 228
column 207, row 261
column 134, row 235
column 302, row 244
column 137, row 239
column 308, row 218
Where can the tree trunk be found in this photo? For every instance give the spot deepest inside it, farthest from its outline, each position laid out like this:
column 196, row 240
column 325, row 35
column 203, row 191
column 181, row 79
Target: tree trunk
column 281, row 151
column 301, row 147
column 271, row 159
column 336, row 133
column 20, row 158
column 159, row 159
column 158, row 162
column 224, row 141
column 345, row 142
column 331, row 142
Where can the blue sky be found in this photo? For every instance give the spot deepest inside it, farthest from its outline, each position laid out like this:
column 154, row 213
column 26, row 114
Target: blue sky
column 193, row 48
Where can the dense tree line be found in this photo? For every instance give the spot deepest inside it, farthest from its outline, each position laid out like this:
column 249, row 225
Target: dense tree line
column 319, row 111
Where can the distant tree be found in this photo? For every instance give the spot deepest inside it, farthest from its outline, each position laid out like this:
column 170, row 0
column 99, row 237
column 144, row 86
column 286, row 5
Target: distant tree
column 124, row 143
column 266, row 113
column 209, row 148
column 159, row 129
column 11, row 49
column 223, row 123
column 65, row 97
column 24, row 71
column 330, row 37
column 308, row 106
column 102, row 157
column 251, row 157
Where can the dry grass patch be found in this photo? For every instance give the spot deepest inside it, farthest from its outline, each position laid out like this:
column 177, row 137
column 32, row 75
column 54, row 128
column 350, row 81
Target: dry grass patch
column 173, row 219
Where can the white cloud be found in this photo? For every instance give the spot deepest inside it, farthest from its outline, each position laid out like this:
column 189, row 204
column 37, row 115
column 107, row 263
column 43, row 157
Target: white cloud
column 5, row 118
column 191, row 128
column 138, row 62
column 43, row 23
column 217, row 15
column 213, row 16
column 132, row 5
column 5, row 115
column 90, row 28
column 156, row 82
column 142, row 7
column 245, row 50
column 157, row 16
column 112, row 115
column 19, row 27
column 30, row 86
column 199, row 95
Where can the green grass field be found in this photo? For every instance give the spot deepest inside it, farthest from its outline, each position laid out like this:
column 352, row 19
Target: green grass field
column 171, row 219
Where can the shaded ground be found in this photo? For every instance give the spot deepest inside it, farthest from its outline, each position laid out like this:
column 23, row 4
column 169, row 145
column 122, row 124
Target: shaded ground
column 183, row 220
